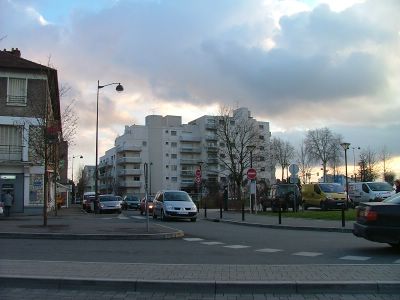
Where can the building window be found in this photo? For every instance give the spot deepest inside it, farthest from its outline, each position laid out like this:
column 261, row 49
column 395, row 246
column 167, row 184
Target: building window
column 174, row 167
column 262, row 169
column 261, row 137
column 167, row 178
column 174, row 179
column 136, row 178
column 222, row 144
column 166, row 143
column 174, row 156
column 262, row 158
column 261, row 126
column 166, row 131
column 144, row 143
column 174, row 144
column 262, row 148
column 16, row 91
column 166, row 166
column 166, row 154
column 173, row 132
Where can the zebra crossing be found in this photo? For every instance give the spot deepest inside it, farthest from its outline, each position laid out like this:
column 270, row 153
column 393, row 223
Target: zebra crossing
column 349, row 258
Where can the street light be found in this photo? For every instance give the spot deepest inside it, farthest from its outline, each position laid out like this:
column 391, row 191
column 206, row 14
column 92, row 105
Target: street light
column 346, row 147
column 251, row 149
column 354, row 163
column 72, row 175
column 119, row 88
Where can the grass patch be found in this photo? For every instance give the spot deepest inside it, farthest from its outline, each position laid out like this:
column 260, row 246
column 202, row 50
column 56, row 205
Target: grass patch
column 350, row 214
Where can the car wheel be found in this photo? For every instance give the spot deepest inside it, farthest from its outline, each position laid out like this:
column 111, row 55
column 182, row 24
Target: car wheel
column 322, row 206
column 193, row 220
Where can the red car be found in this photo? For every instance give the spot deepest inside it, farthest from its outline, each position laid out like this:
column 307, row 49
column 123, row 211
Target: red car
column 149, row 203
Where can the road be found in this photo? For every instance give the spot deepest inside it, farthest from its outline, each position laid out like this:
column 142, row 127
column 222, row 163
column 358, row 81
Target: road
column 211, row 243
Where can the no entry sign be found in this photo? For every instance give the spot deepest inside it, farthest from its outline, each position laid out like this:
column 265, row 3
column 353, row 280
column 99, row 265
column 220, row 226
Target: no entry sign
column 251, row 173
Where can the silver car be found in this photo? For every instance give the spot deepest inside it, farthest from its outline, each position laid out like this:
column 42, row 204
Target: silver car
column 174, row 204
column 107, row 203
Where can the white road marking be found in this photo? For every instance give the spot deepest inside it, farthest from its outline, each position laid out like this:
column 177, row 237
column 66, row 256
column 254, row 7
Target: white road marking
column 237, row 246
column 122, row 217
column 193, row 239
column 212, row 243
column 269, row 250
column 397, row 261
column 138, row 217
column 350, row 257
column 308, row 254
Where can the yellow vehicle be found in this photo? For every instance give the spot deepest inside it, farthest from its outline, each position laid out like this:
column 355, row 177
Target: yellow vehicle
column 323, row 195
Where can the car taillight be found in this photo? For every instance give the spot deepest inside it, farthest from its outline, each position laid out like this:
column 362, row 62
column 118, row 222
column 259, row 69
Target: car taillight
column 370, row 215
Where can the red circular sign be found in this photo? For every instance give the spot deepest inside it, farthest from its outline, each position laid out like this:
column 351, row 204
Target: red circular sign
column 251, row 173
column 197, row 179
column 198, row 173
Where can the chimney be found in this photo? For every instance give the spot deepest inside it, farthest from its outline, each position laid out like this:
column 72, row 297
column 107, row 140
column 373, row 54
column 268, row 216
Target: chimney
column 14, row 52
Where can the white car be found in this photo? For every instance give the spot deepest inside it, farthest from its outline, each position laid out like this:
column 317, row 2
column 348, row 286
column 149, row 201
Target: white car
column 107, row 203
column 174, row 204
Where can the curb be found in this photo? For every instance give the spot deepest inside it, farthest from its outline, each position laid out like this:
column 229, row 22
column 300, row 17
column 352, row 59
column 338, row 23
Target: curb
column 206, row 287
column 290, row 227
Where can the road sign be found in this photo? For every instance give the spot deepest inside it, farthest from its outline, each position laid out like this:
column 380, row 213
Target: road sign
column 198, row 173
column 197, row 179
column 293, row 169
column 251, row 173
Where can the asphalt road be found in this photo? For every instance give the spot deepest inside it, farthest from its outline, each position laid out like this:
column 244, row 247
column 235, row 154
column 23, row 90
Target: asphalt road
column 211, row 243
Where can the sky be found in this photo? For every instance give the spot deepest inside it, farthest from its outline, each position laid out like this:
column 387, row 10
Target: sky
column 298, row 64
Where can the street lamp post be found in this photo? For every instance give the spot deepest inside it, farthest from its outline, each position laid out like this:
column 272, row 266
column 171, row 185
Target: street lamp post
column 345, row 147
column 354, row 163
column 119, row 88
column 251, row 149
column 72, row 176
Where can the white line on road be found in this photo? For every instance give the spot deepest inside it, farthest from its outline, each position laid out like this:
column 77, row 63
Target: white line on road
column 212, row 243
column 138, row 217
column 193, row 239
column 268, row 250
column 397, row 261
column 237, row 246
column 350, row 257
column 122, row 217
column 309, row 254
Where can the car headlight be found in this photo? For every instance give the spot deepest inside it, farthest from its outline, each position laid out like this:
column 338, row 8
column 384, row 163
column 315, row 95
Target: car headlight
column 194, row 208
column 330, row 199
column 101, row 205
column 151, row 206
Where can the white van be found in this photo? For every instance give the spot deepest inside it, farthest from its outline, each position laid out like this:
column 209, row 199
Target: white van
column 369, row 191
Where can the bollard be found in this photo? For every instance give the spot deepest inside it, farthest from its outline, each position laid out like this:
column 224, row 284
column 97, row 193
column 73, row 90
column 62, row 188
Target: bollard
column 280, row 214
column 343, row 217
column 220, row 209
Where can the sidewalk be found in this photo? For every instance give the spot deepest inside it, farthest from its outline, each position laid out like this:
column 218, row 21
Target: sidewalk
column 72, row 223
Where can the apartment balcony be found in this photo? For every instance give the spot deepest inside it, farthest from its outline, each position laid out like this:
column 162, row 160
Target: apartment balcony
column 128, row 160
column 211, row 137
column 190, row 149
column 212, row 160
column 212, row 173
column 212, row 149
column 129, row 172
column 106, row 163
column 126, row 148
column 10, row 153
column 188, row 173
column 187, row 183
column 211, row 126
column 189, row 161
column 189, row 138
column 130, row 184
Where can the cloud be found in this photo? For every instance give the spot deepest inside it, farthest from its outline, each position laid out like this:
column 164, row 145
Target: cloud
column 295, row 65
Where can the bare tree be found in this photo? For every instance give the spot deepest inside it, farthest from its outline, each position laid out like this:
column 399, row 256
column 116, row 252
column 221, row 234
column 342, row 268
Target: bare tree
column 282, row 153
column 237, row 133
column 322, row 145
column 304, row 161
column 385, row 157
column 368, row 164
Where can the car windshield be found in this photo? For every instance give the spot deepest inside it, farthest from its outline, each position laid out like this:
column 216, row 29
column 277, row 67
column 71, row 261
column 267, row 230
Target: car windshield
column 395, row 199
column 176, row 196
column 380, row 186
column 284, row 189
column 132, row 198
column 107, row 198
column 331, row 188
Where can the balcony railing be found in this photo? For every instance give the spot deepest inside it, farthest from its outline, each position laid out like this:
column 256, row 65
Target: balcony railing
column 189, row 138
column 187, row 173
column 128, row 172
column 123, row 148
column 190, row 149
column 130, row 183
column 129, row 160
column 11, row 153
column 189, row 161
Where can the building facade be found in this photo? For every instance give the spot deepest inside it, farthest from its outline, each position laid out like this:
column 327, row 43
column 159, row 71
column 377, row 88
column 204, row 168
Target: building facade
column 173, row 152
column 29, row 99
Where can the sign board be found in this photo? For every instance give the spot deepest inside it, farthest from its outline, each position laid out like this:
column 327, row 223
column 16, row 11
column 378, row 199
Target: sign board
column 251, row 173
column 197, row 179
column 198, row 173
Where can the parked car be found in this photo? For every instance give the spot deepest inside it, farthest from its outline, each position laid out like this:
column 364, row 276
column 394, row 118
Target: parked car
column 323, row 195
column 88, row 198
column 1, row 208
column 174, row 204
column 131, row 201
column 150, row 205
column 379, row 221
column 284, row 196
column 107, row 203
column 369, row 191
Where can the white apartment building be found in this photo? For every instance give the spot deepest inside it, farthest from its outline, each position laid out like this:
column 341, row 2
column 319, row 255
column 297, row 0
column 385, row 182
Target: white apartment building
column 173, row 152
